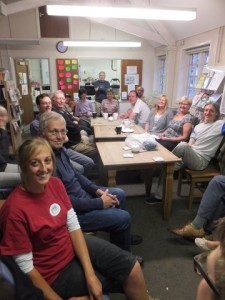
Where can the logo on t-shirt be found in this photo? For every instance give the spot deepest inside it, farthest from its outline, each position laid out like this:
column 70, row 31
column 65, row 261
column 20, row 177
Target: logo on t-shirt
column 54, row 209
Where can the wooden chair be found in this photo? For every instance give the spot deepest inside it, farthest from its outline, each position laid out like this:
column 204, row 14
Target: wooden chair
column 193, row 177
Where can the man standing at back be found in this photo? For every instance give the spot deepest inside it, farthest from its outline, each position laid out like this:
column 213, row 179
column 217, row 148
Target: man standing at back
column 97, row 208
column 101, row 85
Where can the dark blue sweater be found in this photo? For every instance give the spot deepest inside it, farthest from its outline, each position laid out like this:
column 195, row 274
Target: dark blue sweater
column 81, row 190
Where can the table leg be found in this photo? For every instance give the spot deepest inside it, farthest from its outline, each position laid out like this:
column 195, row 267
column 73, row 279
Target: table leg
column 111, row 178
column 168, row 191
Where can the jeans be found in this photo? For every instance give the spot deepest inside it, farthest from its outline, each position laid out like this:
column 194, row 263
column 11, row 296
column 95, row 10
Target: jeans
column 212, row 205
column 116, row 221
column 81, row 163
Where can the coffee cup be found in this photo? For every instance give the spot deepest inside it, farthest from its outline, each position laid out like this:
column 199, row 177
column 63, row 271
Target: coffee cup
column 110, row 115
column 105, row 115
column 126, row 123
column 115, row 116
column 118, row 129
column 94, row 115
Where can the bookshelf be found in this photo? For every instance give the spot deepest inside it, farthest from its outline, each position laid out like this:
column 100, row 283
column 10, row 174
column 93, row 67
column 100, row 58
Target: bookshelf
column 210, row 87
column 9, row 98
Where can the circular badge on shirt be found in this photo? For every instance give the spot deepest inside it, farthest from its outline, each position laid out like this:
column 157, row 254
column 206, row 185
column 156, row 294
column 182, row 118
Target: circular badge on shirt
column 54, row 209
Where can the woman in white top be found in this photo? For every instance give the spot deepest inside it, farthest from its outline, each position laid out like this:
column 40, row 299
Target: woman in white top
column 160, row 116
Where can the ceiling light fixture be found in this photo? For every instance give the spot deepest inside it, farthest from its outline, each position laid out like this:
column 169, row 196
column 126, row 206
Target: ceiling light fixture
column 121, row 12
column 101, row 44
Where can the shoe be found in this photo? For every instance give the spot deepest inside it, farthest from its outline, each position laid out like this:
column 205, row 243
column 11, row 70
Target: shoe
column 189, row 232
column 140, row 260
column 136, row 239
column 201, row 243
column 152, row 200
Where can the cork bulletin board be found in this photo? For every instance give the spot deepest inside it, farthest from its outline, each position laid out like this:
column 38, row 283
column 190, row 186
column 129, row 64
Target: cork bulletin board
column 67, row 75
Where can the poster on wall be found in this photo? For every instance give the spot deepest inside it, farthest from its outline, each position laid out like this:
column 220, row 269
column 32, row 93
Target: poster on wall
column 67, row 75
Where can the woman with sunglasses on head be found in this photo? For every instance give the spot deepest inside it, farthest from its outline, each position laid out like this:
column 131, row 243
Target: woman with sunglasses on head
column 160, row 115
column 49, row 245
column 179, row 128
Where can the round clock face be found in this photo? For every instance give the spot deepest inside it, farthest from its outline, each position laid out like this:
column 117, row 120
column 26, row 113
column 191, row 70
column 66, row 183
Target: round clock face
column 61, row 48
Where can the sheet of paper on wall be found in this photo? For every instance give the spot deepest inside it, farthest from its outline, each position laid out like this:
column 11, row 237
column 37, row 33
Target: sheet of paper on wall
column 131, row 79
column 124, row 95
column 130, row 87
column 131, row 69
column 24, row 89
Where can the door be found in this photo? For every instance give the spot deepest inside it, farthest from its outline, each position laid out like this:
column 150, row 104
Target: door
column 23, row 84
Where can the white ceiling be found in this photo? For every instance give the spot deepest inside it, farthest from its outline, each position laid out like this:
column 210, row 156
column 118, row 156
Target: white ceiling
column 210, row 15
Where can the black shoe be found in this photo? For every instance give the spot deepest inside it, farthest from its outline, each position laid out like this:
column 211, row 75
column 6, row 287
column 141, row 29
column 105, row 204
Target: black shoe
column 140, row 260
column 136, row 239
column 152, row 200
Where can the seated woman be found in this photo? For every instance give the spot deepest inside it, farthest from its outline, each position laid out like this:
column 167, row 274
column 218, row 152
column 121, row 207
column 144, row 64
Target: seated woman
column 83, row 108
column 204, row 141
column 179, row 128
column 49, row 245
column 160, row 116
column 109, row 105
column 9, row 173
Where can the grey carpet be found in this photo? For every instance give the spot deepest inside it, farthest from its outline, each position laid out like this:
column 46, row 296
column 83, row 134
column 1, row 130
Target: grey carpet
column 168, row 267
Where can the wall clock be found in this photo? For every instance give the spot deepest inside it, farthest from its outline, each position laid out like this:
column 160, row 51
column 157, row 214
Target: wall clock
column 60, row 47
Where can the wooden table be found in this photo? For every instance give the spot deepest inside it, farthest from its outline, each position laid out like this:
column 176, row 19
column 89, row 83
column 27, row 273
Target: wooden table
column 106, row 133
column 111, row 154
column 105, row 122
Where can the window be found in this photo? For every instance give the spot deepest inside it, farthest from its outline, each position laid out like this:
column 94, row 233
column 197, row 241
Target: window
column 198, row 60
column 162, row 75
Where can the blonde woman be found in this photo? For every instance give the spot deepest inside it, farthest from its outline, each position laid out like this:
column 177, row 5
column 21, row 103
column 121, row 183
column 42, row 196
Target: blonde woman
column 179, row 128
column 160, row 115
column 9, row 173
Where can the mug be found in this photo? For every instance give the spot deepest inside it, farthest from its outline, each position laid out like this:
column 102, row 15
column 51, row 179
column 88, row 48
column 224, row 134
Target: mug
column 105, row 115
column 115, row 116
column 110, row 115
column 126, row 123
column 94, row 115
column 118, row 129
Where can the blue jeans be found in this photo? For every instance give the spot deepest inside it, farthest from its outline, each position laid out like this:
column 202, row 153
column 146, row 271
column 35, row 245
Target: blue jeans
column 80, row 162
column 212, row 205
column 116, row 221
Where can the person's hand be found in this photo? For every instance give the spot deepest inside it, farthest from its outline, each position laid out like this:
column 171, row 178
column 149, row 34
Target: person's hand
column 95, row 288
column 109, row 200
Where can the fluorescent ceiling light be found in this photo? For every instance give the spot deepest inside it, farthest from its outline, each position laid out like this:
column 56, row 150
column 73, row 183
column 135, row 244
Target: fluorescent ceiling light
column 121, row 12
column 101, row 44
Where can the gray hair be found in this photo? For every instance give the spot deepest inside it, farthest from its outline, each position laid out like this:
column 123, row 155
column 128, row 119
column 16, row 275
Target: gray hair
column 45, row 117
column 217, row 109
column 3, row 111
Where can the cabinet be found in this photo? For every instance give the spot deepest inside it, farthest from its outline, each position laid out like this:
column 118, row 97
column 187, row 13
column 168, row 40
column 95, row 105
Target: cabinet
column 9, row 98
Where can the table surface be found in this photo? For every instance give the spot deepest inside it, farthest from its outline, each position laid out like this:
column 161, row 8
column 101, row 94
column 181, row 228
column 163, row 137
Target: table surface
column 102, row 121
column 111, row 154
column 108, row 132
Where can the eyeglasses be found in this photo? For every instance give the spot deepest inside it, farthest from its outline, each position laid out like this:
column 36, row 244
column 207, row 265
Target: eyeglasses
column 54, row 132
column 200, row 269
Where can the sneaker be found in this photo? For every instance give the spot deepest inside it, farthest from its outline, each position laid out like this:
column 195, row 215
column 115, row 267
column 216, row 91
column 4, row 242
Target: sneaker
column 189, row 232
column 201, row 243
column 152, row 200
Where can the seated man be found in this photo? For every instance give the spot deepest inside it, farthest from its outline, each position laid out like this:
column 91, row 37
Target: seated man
column 74, row 130
column 80, row 162
column 139, row 111
column 97, row 208
column 212, row 207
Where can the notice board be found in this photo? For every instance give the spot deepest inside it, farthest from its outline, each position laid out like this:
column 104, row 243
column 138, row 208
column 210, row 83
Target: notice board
column 67, row 75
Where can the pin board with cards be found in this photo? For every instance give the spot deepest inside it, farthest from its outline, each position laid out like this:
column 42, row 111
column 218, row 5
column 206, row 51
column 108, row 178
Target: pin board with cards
column 67, row 75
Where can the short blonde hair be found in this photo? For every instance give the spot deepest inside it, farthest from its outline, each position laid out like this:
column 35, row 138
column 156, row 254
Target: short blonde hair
column 185, row 99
